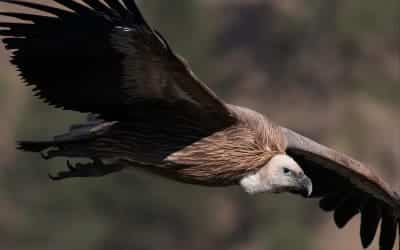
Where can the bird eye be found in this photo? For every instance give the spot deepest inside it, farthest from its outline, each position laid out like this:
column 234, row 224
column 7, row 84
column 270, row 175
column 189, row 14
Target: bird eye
column 286, row 171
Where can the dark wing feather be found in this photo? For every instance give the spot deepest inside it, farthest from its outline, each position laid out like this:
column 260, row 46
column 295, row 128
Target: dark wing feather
column 103, row 58
column 388, row 231
column 331, row 201
column 347, row 187
column 370, row 217
column 346, row 210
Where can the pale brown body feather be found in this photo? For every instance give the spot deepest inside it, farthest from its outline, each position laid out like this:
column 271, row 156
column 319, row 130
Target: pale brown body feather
column 225, row 156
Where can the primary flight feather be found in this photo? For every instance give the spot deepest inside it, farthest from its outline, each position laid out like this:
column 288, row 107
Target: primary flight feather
column 149, row 111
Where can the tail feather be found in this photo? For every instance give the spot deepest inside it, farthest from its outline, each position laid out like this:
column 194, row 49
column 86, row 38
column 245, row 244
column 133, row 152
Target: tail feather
column 78, row 134
column 35, row 146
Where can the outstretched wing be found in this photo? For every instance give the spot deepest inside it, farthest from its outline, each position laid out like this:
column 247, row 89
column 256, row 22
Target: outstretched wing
column 102, row 57
column 347, row 187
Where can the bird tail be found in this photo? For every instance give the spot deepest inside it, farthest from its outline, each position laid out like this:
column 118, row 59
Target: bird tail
column 35, row 146
column 77, row 135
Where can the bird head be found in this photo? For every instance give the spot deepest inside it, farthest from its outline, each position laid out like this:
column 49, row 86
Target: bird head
column 280, row 174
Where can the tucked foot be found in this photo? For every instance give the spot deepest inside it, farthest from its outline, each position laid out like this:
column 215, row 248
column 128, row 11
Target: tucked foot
column 49, row 154
column 92, row 169
column 44, row 156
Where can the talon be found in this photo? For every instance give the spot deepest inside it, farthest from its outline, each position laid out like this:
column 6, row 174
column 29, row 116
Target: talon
column 53, row 178
column 70, row 166
column 79, row 165
column 44, row 156
column 95, row 169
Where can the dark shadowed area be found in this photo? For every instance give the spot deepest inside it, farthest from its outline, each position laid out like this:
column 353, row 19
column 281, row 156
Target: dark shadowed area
column 328, row 69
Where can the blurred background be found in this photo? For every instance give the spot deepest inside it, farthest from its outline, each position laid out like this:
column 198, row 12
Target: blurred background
column 328, row 69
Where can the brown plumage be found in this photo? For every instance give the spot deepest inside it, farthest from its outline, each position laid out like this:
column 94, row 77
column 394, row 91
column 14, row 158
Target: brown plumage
column 225, row 156
column 149, row 111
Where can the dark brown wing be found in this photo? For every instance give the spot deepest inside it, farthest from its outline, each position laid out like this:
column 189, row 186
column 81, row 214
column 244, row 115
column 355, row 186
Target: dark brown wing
column 347, row 187
column 103, row 58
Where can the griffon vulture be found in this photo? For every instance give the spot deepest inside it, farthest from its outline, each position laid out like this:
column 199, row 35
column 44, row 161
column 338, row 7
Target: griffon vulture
column 149, row 111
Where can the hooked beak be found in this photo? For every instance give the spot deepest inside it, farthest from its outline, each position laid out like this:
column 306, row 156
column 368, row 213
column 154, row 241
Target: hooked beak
column 304, row 187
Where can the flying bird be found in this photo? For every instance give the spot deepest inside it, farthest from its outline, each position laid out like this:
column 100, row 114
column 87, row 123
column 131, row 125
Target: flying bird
column 148, row 110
